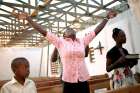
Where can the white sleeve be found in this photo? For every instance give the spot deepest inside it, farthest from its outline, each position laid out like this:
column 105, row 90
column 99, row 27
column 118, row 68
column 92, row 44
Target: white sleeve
column 34, row 87
column 4, row 90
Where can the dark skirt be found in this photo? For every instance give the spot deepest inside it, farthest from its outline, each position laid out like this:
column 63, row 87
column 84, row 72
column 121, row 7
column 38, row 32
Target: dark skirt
column 80, row 87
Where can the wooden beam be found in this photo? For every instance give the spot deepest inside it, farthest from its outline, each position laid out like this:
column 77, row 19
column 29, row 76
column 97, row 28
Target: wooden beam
column 18, row 5
column 38, row 8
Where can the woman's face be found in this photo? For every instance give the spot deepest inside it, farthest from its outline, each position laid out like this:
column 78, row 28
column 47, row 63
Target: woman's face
column 121, row 38
column 69, row 34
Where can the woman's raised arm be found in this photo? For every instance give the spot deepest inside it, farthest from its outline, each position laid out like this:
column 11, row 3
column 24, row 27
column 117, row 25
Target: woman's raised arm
column 88, row 38
column 25, row 16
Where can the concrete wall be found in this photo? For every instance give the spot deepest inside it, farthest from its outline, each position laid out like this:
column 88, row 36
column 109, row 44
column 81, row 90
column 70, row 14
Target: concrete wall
column 8, row 54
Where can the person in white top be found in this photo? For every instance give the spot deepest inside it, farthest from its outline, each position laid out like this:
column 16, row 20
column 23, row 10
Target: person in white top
column 20, row 82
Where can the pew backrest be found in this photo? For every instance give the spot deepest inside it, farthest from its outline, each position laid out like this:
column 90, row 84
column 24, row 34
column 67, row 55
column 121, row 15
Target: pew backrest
column 130, row 89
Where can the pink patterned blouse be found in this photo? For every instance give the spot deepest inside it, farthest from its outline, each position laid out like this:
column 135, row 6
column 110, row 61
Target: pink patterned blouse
column 72, row 56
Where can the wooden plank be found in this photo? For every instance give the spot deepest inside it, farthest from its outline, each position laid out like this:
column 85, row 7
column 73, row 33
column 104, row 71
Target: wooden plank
column 99, row 82
column 130, row 89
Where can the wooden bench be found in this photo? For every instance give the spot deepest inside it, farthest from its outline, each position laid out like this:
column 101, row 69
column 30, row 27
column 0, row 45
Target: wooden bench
column 48, row 85
column 54, row 85
column 44, row 84
column 99, row 82
column 130, row 89
column 137, row 77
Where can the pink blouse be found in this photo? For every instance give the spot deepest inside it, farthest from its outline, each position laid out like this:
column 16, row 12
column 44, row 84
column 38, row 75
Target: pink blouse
column 72, row 56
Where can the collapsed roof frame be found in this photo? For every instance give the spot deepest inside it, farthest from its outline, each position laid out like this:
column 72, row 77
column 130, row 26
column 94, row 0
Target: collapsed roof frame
column 50, row 14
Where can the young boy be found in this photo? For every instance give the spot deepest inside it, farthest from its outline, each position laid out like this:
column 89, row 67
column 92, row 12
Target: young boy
column 20, row 82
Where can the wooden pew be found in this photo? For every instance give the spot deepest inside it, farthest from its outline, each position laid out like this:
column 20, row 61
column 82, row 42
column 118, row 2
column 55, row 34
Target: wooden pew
column 130, row 89
column 50, row 89
column 48, row 85
column 99, row 82
column 44, row 84
column 54, row 85
column 137, row 77
column 2, row 82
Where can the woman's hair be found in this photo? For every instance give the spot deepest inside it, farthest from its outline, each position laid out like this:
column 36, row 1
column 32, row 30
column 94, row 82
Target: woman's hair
column 116, row 32
column 68, row 28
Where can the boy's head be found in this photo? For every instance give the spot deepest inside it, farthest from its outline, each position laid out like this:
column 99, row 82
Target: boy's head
column 20, row 67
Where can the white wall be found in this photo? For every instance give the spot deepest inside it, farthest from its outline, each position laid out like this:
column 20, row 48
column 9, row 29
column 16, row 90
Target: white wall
column 135, row 35
column 8, row 54
column 38, row 58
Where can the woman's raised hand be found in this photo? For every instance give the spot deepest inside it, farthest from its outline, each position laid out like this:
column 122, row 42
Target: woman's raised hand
column 111, row 14
column 20, row 15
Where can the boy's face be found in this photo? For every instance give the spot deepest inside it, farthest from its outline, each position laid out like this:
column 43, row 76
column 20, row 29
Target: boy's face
column 22, row 70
